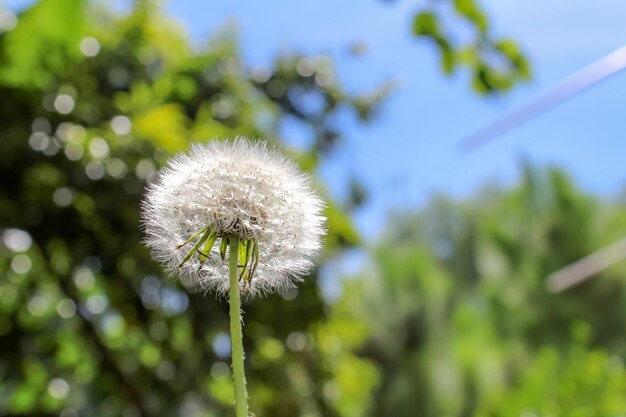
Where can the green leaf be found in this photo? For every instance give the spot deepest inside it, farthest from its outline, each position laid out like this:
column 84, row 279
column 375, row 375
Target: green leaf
column 426, row 24
column 192, row 237
column 208, row 246
column 245, row 251
column 241, row 255
column 241, row 249
column 448, row 56
column 469, row 10
column 196, row 247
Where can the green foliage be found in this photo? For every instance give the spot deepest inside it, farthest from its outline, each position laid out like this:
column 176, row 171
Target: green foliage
column 460, row 322
column 495, row 65
column 92, row 104
column 583, row 383
column 49, row 24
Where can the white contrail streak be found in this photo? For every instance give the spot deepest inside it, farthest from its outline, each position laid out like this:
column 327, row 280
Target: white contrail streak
column 562, row 91
column 585, row 268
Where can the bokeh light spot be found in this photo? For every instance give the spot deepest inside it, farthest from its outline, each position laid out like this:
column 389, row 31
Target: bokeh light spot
column 94, row 170
column 8, row 21
column 66, row 308
column 96, row 303
column 38, row 141
column 145, row 169
column 89, row 46
column 116, row 168
column 64, row 104
column 173, row 301
column 41, row 124
column 16, row 240
column 121, row 125
column 290, row 293
column 84, row 278
column 69, row 412
column 74, row 151
column 98, row 148
column 296, row 341
column 63, row 197
column 113, row 324
column 150, row 289
column 261, row 75
column 75, row 133
column 221, row 109
column 38, row 305
column 21, row 264
column 58, row 388
column 221, row 345
column 305, row 67
column 220, row 370
column 324, row 78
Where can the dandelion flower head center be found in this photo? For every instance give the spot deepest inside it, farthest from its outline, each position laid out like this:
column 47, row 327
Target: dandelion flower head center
column 244, row 217
column 242, row 189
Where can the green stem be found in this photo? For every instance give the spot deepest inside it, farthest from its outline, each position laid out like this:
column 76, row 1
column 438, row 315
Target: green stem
column 241, row 396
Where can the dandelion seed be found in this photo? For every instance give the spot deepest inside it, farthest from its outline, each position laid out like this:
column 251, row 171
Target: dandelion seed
column 234, row 189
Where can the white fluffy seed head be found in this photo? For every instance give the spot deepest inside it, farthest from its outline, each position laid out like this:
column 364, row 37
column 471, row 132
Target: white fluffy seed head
column 238, row 188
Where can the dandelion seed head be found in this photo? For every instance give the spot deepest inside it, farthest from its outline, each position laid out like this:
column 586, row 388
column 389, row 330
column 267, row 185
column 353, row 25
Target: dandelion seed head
column 237, row 188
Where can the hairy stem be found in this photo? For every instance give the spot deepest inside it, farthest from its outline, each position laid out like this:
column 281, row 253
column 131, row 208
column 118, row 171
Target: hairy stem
column 241, row 395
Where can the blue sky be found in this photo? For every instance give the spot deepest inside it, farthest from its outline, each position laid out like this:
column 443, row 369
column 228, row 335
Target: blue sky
column 411, row 150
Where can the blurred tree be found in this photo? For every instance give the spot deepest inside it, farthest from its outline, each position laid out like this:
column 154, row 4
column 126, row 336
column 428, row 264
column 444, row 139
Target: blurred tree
column 460, row 322
column 580, row 383
column 92, row 103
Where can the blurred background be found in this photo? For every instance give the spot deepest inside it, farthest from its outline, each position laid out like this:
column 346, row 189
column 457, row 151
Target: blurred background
column 436, row 293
